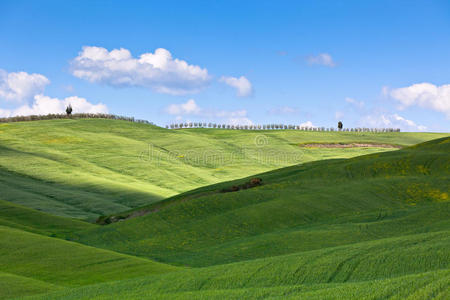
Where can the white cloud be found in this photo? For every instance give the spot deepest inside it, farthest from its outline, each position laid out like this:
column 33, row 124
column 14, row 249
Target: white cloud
column 242, row 85
column 424, row 95
column 283, row 110
column 308, row 124
column 359, row 104
column 43, row 105
column 5, row 113
column 380, row 120
column 158, row 70
column 229, row 114
column 191, row 109
column 323, row 59
column 239, row 121
column 19, row 86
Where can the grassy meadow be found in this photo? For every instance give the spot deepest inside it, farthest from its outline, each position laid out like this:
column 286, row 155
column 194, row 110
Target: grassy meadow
column 299, row 208
column 83, row 168
column 326, row 223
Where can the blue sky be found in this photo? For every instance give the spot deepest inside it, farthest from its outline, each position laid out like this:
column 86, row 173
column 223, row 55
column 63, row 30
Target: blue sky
column 367, row 63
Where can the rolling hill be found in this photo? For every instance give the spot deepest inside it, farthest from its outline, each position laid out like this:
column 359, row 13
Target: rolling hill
column 32, row 263
column 84, row 168
column 397, row 268
column 300, row 208
column 374, row 226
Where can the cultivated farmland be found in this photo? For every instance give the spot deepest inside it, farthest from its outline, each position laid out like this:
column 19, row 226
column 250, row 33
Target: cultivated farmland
column 318, row 222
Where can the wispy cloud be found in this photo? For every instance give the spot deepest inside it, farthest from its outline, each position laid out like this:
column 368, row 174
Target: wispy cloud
column 190, row 109
column 375, row 117
column 385, row 120
column 323, row 59
column 283, row 110
column 358, row 104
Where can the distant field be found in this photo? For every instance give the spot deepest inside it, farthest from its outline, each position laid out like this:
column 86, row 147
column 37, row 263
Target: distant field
column 89, row 167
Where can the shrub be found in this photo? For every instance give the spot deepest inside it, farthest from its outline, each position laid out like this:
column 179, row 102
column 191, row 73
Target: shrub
column 254, row 182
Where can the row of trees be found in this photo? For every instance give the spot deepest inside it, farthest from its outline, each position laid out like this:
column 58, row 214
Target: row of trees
column 71, row 116
column 275, row 127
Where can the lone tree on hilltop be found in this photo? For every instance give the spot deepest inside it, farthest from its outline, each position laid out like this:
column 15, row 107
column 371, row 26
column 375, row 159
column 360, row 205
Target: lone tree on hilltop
column 340, row 125
column 69, row 110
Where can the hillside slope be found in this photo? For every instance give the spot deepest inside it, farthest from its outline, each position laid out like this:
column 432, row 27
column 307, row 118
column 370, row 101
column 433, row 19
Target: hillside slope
column 89, row 167
column 28, row 219
column 301, row 208
column 410, row 267
column 370, row 227
column 37, row 263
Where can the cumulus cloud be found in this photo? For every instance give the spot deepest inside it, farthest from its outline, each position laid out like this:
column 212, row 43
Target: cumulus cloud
column 308, row 124
column 424, row 95
column 323, row 59
column 381, row 120
column 19, row 86
column 158, row 71
column 242, row 85
column 43, row 105
column 191, row 109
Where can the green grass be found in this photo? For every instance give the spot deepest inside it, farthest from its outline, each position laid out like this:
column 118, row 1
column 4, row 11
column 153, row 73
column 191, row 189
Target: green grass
column 431, row 285
column 415, row 265
column 12, row 286
column 306, row 207
column 62, row 263
column 375, row 226
column 89, row 167
column 20, row 217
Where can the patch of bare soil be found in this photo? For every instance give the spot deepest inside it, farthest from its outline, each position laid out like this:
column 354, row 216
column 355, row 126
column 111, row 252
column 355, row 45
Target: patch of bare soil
column 254, row 182
column 350, row 145
column 105, row 220
column 140, row 213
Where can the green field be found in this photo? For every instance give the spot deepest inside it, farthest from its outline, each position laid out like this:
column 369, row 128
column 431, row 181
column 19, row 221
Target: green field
column 84, row 168
column 398, row 268
column 326, row 223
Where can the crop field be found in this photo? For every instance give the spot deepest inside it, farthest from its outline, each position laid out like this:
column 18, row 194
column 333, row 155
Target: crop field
column 221, row 214
column 84, row 168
